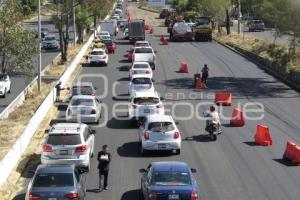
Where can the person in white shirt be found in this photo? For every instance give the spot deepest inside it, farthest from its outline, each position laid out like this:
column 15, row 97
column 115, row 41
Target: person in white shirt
column 212, row 116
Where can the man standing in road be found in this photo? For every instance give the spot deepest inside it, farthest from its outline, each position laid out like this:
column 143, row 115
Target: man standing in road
column 104, row 159
column 58, row 89
column 204, row 73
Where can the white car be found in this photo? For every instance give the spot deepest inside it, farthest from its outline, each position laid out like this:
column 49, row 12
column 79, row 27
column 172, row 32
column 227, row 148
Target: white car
column 5, row 84
column 139, row 83
column 68, row 143
column 97, row 57
column 142, row 44
column 84, row 108
column 145, row 54
column 143, row 104
column 140, row 68
column 50, row 42
column 159, row 133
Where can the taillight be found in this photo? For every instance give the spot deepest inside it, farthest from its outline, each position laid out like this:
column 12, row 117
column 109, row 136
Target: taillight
column 47, row 148
column 152, row 196
column 73, row 195
column 134, row 106
column 134, row 72
column 194, row 196
column 148, row 72
column 33, row 196
column 146, row 135
column 159, row 106
column 93, row 94
column 93, row 112
column 104, row 57
column 176, row 135
column 81, row 148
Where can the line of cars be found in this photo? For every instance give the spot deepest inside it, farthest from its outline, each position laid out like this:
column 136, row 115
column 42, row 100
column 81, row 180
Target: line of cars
column 167, row 180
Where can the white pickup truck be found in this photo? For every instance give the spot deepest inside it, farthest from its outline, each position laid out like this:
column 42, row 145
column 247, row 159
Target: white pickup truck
column 144, row 54
column 4, row 85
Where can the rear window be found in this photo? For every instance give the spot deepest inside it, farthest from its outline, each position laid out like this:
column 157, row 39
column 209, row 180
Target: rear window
column 170, row 178
column 84, row 90
column 161, row 126
column 97, row 53
column 141, row 81
column 143, row 50
column 141, row 44
column 64, row 139
column 82, row 102
column 53, row 180
column 140, row 66
column 49, row 38
column 146, row 101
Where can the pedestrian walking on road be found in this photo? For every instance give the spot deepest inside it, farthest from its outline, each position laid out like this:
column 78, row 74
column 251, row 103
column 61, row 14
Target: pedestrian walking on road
column 104, row 159
column 204, row 73
column 58, row 89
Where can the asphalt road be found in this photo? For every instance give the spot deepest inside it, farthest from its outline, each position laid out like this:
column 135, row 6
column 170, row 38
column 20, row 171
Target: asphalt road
column 19, row 82
column 230, row 168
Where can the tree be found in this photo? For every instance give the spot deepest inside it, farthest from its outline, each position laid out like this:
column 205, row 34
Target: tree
column 17, row 45
column 83, row 20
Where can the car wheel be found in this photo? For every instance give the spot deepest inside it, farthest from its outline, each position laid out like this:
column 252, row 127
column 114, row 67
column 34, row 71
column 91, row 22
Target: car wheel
column 4, row 95
column 9, row 90
column 177, row 151
column 142, row 151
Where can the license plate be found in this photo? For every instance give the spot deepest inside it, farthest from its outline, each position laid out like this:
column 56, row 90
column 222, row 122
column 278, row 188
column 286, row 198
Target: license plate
column 161, row 146
column 52, row 198
column 82, row 112
column 63, row 152
column 173, row 197
column 147, row 111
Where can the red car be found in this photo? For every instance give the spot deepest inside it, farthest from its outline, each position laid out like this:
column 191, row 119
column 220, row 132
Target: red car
column 130, row 52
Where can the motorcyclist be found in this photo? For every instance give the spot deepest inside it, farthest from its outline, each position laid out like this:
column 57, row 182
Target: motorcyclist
column 204, row 73
column 212, row 117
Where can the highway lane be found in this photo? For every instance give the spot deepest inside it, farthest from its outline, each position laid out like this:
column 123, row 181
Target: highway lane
column 19, row 82
column 232, row 167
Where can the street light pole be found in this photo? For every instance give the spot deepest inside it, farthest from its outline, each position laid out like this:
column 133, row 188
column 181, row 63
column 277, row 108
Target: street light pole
column 74, row 24
column 40, row 47
column 240, row 17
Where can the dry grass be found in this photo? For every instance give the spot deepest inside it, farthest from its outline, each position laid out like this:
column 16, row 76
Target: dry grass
column 257, row 46
column 150, row 17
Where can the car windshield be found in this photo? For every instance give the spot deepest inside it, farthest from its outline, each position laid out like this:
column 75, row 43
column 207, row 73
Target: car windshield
column 64, row 139
column 53, row 180
column 141, row 81
column 97, row 53
column 44, row 29
column 85, row 90
column 146, row 100
column 143, row 50
column 82, row 102
column 49, row 38
column 161, row 126
column 170, row 178
column 140, row 66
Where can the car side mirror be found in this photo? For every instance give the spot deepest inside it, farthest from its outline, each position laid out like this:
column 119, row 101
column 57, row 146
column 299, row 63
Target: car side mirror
column 153, row 80
column 162, row 98
column 93, row 132
column 177, row 123
column 142, row 171
column 155, row 51
column 193, row 170
column 95, row 88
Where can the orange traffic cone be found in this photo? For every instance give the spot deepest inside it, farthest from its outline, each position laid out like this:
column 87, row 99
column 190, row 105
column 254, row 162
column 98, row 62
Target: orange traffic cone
column 151, row 30
column 200, row 84
column 262, row 136
column 184, row 68
column 223, row 98
column 237, row 118
column 292, row 153
column 165, row 42
column 162, row 38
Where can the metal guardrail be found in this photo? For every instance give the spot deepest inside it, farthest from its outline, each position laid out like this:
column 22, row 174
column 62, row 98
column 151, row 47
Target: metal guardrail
column 19, row 100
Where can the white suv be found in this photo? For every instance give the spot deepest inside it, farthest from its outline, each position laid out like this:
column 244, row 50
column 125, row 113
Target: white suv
column 143, row 104
column 140, row 83
column 160, row 133
column 5, row 84
column 69, row 143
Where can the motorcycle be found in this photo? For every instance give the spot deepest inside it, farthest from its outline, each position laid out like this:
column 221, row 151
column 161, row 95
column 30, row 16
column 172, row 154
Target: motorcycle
column 213, row 128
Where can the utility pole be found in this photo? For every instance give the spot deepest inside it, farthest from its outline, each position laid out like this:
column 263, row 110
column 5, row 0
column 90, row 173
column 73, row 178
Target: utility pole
column 40, row 47
column 74, row 23
column 240, row 17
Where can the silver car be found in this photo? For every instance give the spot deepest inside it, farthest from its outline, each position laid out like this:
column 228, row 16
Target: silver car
column 160, row 133
column 84, row 108
column 69, row 143
column 57, row 182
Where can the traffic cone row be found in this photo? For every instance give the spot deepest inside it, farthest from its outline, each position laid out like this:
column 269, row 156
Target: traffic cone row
column 262, row 136
column 292, row 153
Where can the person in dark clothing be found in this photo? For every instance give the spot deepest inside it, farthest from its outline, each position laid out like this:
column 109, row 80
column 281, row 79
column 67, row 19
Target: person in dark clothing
column 104, row 159
column 204, row 73
column 58, row 89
